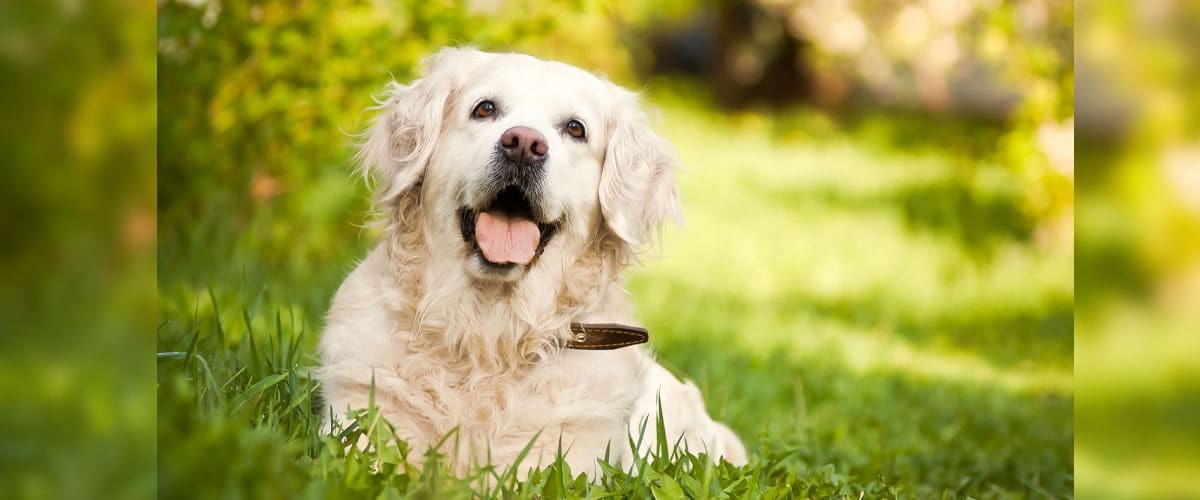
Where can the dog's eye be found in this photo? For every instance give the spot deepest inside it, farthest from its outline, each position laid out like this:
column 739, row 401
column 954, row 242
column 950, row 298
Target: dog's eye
column 484, row 109
column 576, row 129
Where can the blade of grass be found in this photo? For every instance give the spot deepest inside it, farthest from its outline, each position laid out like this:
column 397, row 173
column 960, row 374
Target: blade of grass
column 212, row 296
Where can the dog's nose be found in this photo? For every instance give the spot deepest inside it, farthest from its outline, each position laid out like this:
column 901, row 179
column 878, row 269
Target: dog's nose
column 523, row 144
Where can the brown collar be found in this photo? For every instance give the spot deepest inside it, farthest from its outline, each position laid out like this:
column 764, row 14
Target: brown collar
column 605, row 336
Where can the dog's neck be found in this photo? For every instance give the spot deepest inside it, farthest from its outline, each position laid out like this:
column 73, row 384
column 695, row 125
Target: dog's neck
column 492, row 327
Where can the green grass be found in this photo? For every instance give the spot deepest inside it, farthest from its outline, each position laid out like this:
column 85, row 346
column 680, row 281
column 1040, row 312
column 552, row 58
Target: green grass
column 873, row 320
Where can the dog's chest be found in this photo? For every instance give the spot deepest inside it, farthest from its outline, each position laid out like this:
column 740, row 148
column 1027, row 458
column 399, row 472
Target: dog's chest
column 585, row 396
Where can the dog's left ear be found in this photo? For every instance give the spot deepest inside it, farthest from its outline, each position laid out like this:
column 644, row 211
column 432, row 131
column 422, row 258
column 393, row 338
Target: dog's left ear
column 637, row 183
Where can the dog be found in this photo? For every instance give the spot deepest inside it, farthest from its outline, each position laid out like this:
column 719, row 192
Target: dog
column 512, row 192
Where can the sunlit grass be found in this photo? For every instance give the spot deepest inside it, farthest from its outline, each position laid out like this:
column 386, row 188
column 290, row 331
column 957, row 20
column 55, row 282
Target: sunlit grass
column 815, row 228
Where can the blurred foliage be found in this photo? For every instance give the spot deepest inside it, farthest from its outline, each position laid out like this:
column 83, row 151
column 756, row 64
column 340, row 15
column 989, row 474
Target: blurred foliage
column 1138, row 238
column 77, row 229
column 961, row 63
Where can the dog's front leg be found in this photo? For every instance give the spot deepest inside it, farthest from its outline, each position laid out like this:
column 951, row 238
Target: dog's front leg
column 685, row 420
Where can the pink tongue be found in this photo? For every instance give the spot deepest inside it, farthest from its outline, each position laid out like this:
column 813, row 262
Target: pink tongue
column 506, row 239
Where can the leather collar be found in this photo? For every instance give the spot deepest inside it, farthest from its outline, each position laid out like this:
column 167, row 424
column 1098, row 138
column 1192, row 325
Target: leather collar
column 605, row 336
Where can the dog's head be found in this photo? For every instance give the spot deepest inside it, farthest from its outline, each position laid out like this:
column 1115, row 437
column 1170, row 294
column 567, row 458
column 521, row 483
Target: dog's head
column 516, row 161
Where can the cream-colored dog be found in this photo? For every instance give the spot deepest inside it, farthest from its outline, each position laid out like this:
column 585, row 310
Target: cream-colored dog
column 514, row 192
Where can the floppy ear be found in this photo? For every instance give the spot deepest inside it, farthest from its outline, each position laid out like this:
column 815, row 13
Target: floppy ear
column 401, row 139
column 637, row 183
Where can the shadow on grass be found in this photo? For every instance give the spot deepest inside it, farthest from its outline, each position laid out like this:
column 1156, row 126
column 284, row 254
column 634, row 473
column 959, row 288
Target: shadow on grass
column 980, row 221
column 1004, row 336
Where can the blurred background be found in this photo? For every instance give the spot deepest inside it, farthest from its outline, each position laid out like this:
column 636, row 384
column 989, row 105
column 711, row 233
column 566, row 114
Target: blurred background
column 1138, row 285
column 882, row 194
column 77, row 246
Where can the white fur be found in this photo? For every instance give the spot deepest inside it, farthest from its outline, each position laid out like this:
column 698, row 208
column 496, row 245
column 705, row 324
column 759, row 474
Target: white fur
column 449, row 345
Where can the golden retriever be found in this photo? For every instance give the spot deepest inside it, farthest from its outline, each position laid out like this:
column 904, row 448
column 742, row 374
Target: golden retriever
column 514, row 191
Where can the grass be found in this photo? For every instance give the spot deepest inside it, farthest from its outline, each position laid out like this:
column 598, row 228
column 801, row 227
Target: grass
column 874, row 321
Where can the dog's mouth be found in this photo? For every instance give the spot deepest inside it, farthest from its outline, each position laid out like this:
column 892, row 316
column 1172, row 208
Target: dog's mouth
column 505, row 232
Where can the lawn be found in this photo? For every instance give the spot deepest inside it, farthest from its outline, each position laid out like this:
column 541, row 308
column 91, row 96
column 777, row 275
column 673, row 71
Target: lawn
column 874, row 316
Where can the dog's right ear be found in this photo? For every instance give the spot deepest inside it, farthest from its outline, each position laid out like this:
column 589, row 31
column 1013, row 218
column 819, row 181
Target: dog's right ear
column 637, row 180
column 401, row 139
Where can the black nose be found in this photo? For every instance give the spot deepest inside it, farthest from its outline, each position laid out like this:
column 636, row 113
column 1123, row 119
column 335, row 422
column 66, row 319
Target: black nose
column 523, row 144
